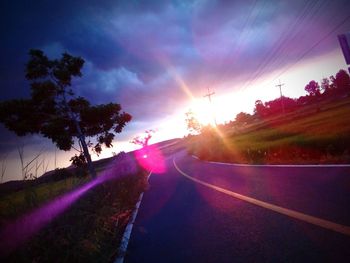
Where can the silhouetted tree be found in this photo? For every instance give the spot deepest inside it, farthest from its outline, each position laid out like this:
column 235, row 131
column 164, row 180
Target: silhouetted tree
column 243, row 117
column 193, row 124
column 325, row 86
column 275, row 106
column 332, row 80
column 289, row 103
column 313, row 88
column 54, row 112
column 144, row 139
column 259, row 109
column 342, row 80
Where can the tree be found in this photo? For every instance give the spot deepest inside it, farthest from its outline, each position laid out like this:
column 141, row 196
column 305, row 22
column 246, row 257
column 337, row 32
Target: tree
column 259, row 109
column 56, row 113
column 143, row 140
column 243, row 118
column 313, row 88
column 342, row 80
column 325, row 85
column 279, row 105
column 193, row 124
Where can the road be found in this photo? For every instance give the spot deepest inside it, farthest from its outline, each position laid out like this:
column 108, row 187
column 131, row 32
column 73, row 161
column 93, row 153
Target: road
column 182, row 220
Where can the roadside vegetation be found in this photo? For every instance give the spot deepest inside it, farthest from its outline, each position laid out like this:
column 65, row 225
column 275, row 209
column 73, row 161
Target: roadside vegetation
column 92, row 227
column 67, row 215
column 312, row 129
column 54, row 111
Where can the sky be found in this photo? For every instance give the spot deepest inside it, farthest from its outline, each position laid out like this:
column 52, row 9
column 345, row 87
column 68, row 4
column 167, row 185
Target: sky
column 159, row 58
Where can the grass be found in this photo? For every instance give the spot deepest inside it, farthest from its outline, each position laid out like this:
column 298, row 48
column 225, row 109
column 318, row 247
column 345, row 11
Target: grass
column 304, row 136
column 87, row 232
column 90, row 230
column 13, row 204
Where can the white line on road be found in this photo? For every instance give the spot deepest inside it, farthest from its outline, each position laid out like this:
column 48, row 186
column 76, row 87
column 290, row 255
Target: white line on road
column 288, row 212
column 278, row 165
column 127, row 232
column 168, row 145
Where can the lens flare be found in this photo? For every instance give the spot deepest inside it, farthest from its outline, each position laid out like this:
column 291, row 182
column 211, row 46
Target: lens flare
column 151, row 159
column 21, row 230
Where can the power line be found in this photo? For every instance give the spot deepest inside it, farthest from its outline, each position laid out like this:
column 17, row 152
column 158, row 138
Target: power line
column 313, row 46
column 249, row 21
column 241, row 35
column 299, row 34
column 307, row 13
column 281, row 41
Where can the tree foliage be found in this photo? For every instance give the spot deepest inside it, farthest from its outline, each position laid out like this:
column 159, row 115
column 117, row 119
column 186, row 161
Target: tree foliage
column 193, row 124
column 243, row 118
column 342, row 80
column 313, row 88
column 55, row 112
column 144, row 139
column 259, row 108
column 274, row 107
column 325, row 85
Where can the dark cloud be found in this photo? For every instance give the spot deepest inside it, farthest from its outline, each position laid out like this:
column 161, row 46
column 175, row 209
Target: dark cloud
column 133, row 48
column 9, row 142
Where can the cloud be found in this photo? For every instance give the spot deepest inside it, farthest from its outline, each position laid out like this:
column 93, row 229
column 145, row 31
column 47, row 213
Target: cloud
column 138, row 53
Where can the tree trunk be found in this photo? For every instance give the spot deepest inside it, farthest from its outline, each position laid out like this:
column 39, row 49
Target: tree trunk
column 81, row 138
column 87, row 155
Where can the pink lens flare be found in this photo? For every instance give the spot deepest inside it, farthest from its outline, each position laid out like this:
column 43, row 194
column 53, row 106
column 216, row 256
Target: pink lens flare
column 23, row 228
column 151, row 159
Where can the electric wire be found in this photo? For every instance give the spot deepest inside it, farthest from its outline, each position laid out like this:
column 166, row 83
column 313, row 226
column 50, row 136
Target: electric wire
column 306, row 15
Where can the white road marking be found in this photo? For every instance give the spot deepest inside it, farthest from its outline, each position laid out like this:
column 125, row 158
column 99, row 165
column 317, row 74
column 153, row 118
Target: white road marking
column 288, row 212
column 127, row 232
column 168, row 145
column 195, row 157
column 277, row 165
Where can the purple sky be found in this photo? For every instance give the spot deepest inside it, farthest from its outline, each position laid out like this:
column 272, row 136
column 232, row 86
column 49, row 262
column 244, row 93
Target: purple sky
column 140, row 53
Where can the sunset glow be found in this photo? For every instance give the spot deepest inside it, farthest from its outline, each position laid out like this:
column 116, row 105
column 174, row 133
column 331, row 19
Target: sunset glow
column 175, row 131
column 239, row 50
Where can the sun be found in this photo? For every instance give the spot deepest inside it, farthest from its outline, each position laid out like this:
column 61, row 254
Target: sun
column 222, row 109
column 204, row 112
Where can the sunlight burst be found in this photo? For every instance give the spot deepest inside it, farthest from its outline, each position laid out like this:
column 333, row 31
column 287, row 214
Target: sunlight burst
column 203, row 111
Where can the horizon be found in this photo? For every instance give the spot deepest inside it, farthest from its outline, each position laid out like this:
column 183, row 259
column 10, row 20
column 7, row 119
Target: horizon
column 238, row 50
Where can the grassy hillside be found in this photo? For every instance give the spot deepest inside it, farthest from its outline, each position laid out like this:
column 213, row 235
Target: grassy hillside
column 312, row 134
column 90, row 228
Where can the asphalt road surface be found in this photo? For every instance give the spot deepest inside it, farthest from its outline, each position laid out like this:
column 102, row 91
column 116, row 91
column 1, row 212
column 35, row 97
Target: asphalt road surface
column 183, row 220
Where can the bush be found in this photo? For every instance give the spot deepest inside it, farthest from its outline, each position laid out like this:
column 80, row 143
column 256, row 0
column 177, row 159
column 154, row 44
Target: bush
column 62, row 173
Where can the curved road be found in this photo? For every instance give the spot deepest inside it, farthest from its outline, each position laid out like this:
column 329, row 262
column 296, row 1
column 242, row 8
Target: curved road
column 185, row 217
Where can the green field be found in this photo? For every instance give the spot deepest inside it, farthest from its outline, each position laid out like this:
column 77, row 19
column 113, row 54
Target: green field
column 90, row 230
column 309, row 135
column 19, row 202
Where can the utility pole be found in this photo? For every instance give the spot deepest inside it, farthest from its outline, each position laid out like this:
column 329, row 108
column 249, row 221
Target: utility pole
column 209, row 94
column 282, row 102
